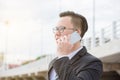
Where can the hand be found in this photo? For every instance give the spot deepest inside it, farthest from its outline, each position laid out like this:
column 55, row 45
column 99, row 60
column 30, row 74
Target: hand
column 64, row 47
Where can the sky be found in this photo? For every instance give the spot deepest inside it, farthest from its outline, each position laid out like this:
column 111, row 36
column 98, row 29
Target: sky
column 26, row 25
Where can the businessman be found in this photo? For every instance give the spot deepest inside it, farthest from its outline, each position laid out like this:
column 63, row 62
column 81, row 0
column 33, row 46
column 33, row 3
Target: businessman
column 73, row 62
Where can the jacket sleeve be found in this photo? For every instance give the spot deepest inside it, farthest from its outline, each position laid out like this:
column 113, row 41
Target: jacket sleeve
column 91, row 71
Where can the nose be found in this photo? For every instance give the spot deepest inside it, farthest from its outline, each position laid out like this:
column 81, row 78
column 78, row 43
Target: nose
column 57, row 34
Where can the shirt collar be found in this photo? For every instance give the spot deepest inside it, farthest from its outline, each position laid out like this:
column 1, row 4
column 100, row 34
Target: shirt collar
column 74, row 53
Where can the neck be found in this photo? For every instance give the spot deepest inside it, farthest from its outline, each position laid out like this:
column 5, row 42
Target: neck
column 76, row 46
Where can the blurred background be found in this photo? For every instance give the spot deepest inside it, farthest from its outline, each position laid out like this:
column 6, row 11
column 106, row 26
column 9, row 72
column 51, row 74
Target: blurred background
column 26, row 32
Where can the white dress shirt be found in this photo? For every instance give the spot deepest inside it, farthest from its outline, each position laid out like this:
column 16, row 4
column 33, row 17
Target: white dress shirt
column 53, row 73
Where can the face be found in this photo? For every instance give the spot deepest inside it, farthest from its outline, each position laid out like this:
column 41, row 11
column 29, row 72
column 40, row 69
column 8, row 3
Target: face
column 66, row 22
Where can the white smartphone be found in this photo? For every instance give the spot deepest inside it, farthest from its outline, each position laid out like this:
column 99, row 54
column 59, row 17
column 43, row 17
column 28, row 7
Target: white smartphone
column 75, row 37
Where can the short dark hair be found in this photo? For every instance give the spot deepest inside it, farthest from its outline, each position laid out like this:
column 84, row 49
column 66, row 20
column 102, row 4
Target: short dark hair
column 78, row 21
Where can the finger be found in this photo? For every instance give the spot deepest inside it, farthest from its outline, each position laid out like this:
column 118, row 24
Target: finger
column 62, row 39
column 58, row 41
column 65, row 39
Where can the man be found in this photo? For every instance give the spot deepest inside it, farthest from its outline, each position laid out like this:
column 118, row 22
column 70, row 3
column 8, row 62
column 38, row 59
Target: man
column 73, row 62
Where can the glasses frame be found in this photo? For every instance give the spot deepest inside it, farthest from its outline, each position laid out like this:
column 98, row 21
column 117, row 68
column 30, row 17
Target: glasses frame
column 61, row 29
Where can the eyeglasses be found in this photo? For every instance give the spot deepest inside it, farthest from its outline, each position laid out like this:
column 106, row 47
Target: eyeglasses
column 61, row 29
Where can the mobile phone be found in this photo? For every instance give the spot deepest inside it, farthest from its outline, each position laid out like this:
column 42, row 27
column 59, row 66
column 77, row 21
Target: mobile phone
column 75, row 37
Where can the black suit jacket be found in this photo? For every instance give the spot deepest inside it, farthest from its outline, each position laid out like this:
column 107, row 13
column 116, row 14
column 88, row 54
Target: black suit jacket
column 83, row 66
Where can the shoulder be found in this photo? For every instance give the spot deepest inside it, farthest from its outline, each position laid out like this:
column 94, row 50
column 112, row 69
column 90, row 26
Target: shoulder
column 90, row 57
column 83, row 58
column 91, row 62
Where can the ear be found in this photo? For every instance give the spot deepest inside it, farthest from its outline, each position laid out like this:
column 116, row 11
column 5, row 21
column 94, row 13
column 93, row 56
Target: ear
column 79, row 31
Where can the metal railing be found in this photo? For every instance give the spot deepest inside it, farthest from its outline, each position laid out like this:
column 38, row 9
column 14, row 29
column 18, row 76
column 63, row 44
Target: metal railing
column 105, row 35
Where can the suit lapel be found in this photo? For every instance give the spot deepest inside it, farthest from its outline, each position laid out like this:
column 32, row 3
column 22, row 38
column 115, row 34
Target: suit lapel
column 82, row 52
column 51, row 66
